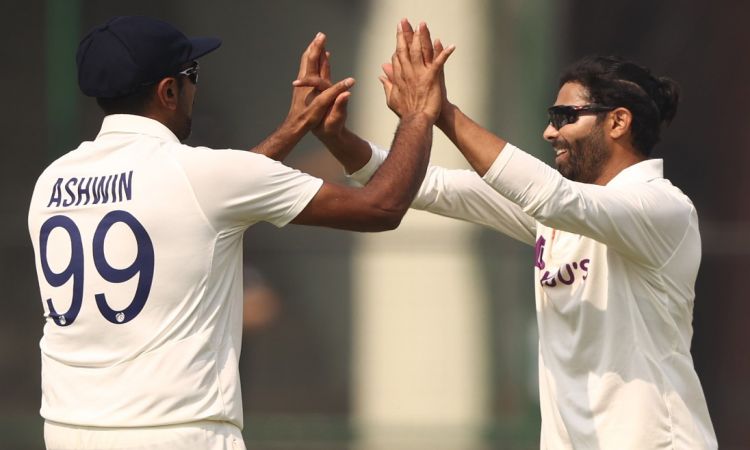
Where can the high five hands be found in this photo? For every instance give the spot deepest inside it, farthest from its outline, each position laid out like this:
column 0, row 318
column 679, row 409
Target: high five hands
column 309, row 103
column 413, row 80
column 313, row 100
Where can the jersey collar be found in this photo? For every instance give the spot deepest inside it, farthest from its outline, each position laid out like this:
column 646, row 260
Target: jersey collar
column 132, row 124
column 642, row 172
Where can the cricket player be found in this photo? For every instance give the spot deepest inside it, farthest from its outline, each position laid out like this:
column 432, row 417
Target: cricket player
column 138, row 238
column 617, row 250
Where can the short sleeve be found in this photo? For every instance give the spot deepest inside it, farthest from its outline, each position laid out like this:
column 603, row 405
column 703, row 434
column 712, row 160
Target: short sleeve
column 238, row 188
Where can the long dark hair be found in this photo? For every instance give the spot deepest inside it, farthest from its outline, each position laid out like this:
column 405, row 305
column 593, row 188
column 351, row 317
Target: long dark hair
column 613, row 81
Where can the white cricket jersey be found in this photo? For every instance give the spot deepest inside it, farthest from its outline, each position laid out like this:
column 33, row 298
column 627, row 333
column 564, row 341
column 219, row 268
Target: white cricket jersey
column 138, row 243
column 614, row 275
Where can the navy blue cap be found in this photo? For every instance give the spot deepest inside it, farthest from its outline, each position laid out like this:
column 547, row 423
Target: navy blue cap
column 128, row 52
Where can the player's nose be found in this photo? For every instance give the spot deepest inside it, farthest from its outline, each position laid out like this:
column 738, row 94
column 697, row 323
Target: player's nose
column 550, row 133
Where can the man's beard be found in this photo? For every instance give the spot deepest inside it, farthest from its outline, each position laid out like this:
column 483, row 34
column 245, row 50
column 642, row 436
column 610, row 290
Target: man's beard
column 184, row 120
column 185, row 127
column 586, row 156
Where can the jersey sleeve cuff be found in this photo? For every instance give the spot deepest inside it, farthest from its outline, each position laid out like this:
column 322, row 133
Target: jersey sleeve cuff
column 363, row 175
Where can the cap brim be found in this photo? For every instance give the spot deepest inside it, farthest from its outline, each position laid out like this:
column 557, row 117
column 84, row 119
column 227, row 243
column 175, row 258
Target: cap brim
column 203, row 46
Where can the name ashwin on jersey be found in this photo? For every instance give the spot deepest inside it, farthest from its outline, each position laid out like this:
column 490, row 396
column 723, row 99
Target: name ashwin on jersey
column 92, row 190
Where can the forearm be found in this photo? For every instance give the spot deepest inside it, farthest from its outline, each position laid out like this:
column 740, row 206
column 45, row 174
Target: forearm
column 382, row 203
column 280, row 143
column 397, row 181
column 479, row 146
column 350, row 150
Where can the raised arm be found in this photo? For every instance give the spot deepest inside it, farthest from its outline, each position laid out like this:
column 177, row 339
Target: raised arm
column 414, row 94
column 308, row 105
column 347, row 147
column 479, row 146
column 460, row 194
column 381, row 204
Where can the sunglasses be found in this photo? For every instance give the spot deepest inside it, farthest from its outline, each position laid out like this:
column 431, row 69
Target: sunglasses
column 191, row 72
column 561, row 115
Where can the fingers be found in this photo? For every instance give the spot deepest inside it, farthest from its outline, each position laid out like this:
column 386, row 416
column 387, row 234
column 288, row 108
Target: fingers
column 325, row 66
column 438, row 46
column 443, row 55
column 416, row 44
column 309, row 63
column 313, row 58
column 395, row 65
column 319, row 83
column 415, row 48
column 338, row 110
column 387, row 87
column 407, row 29
column 425, row 42
column 401, row 59
column 327, row 97
column 388, row 70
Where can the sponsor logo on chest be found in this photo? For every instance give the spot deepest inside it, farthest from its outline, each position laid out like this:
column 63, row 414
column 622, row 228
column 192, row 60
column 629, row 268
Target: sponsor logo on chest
column 565, row 274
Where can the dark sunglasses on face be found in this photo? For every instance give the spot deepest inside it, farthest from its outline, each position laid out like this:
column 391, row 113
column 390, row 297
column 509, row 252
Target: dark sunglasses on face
column 191, row 72
column 561, row 115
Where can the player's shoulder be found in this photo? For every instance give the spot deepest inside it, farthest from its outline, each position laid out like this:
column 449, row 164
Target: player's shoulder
column 205, row 158
column 69, row 155
column 63, row 162
column 204, row 167
column 645, row 180
column 662, row 200
column 208, row 152
column 670, row 192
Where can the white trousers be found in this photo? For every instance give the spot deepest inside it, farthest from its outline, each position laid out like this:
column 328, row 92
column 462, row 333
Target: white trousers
column 204, row 435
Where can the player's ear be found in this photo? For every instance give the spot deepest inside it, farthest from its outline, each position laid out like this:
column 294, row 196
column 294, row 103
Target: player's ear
column 620, row 121
column 167, row 92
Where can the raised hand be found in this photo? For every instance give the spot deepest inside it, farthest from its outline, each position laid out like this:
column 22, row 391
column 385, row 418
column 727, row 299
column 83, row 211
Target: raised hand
column 412, row 80
column 438, row 48
column 311, row 101
column 334, row 121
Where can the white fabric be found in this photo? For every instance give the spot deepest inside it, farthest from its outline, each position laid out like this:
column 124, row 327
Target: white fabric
column 204, row 435
column 176, row 361
column 615, row 271
column 460, row 194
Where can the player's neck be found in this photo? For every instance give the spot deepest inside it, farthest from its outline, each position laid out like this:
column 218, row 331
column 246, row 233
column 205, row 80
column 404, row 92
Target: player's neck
column 621, row 159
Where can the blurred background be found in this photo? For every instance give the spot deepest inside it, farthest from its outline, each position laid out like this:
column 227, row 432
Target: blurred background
column 422, row 338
